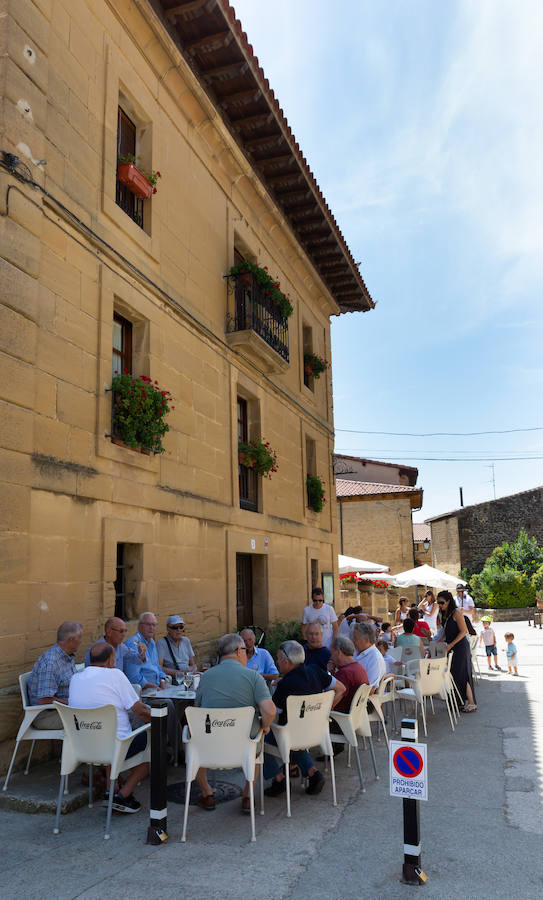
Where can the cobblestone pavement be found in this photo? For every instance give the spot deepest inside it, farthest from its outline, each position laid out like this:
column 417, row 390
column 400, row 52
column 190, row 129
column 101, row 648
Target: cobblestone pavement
column 480, row 828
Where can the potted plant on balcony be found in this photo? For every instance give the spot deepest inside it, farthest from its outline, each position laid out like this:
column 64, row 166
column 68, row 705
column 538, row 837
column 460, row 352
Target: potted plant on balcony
column 271, row 288
column 139, row 411
column 138, row 181
column 258, row 455
column 315, row 365
column 315, row 493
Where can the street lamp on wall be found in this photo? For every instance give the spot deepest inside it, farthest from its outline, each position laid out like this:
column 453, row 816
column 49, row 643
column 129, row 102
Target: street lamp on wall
column 426, row 545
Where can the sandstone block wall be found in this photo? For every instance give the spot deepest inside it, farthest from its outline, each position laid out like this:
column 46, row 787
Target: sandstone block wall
column 72, row 258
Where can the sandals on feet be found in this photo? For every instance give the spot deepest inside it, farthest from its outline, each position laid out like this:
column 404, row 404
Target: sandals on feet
column 471, row 707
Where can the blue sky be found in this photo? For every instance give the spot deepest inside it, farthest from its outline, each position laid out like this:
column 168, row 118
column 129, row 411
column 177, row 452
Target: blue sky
column 422, row 122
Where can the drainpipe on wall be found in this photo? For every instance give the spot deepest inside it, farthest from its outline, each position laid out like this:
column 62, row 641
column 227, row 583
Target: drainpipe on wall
column 341, row 526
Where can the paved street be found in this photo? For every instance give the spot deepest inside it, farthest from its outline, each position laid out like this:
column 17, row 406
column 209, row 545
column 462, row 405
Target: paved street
column 481, row 828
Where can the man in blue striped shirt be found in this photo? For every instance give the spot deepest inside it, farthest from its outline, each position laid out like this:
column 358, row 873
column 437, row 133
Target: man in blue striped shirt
column 51, row 675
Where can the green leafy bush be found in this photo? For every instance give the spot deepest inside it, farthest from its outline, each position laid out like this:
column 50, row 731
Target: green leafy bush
column 279, row 632
column 502, row 588
column 537, row 580
column 523, row 555
column 315, row 493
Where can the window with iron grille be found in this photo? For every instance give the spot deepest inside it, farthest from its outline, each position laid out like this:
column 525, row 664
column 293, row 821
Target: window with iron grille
column 248, row 479
column 126, row 146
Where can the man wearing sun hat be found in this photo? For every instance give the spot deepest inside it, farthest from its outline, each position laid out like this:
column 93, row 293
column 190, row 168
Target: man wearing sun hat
column 175, row 650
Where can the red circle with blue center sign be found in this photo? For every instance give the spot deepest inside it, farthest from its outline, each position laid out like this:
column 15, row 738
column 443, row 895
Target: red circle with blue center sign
column 408, row 762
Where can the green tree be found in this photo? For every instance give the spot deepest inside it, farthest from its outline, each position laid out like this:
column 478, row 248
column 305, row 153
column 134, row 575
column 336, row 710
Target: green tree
column 509, row 577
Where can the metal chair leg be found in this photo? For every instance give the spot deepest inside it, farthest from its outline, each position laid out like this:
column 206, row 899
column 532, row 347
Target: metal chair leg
column 252, row 801
column 29, row 757
column 8, row 776
column 56, row 829
column 359, row 767
column 91, row 797
column 287, row 776
column 186, row 811
column 372, row 751
column 107, row 835
column 261, row 790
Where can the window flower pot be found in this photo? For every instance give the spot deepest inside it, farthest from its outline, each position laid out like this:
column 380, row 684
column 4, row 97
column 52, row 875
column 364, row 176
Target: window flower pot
column 129, row 175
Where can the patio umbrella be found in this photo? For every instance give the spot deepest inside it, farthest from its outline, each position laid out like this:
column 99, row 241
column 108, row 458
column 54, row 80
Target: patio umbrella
column 351, row 564
column 427, row 575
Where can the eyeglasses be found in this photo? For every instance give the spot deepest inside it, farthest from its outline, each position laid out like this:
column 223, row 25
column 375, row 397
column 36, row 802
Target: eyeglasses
column 441, row 603
column 120, row 630
column 177, row 627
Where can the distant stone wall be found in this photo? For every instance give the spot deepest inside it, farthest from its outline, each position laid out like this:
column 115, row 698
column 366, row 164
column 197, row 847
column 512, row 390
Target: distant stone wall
column 468, row 536
column 486, row 525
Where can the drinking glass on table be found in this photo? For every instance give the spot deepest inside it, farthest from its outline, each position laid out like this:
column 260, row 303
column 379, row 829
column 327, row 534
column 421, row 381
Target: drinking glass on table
column 188, row 680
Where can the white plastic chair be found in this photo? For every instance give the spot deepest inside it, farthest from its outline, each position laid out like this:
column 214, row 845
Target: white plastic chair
column 90, row 736
column 26, row 731
column 385, row 693
column 395, row 652
column 410, row 653
column 305, row 728
column 473, row 643
column 221, row 739
column 355, row 722
column 429, row 683
column 437, row 649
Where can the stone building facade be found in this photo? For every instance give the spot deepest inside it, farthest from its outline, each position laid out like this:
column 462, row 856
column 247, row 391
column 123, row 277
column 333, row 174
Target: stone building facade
column 89, row 526
column 375, row 522
column 466, row 537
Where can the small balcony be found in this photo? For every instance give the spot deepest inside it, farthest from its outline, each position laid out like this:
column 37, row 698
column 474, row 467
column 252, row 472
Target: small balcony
column 256, row 327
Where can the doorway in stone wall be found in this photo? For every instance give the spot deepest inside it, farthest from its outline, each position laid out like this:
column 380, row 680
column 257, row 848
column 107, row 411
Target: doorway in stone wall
column 244, row 589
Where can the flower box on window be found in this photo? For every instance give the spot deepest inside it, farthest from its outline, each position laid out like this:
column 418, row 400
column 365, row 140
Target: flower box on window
column 129, row 175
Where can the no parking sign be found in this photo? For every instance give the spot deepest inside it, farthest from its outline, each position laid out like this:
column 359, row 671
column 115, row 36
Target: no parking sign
column 408, row 774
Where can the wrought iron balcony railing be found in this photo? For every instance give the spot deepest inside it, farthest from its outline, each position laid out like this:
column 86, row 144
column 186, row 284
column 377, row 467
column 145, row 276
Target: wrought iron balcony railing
column 129, row 203
column 254, row 310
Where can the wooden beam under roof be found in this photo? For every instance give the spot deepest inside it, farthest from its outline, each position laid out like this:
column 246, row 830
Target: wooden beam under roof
column 257, row 143
column 285, row 178
column 211, row 41
column 183, row 9
column 239, row 96
column 239, row 67
column 247, row 121
column 265, row 161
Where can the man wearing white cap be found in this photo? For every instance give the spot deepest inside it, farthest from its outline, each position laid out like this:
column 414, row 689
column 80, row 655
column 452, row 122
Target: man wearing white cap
column 175, row 651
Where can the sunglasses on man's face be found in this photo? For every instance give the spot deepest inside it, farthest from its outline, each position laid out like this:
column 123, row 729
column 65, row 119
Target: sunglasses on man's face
column 177, row 627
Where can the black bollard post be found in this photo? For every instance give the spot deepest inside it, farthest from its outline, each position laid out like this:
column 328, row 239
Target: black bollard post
column 412, row 867
column 157, row 831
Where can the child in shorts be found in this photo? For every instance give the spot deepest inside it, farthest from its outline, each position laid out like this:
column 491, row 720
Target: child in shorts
column 511, row 651
column 488, row 638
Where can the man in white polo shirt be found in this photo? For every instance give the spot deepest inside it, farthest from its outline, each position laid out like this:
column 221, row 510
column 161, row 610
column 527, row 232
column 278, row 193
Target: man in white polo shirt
column 367, row 653
column 320, row 613
column 101, row 684
column 464, row 601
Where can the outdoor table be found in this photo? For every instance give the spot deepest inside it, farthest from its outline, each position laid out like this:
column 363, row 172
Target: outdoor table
column 180, row 695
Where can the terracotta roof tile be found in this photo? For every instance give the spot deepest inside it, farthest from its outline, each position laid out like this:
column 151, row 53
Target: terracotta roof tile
column 345, row 488
column 421, row 532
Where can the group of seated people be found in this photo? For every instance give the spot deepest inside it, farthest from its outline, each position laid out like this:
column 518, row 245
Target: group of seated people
column 115, row 667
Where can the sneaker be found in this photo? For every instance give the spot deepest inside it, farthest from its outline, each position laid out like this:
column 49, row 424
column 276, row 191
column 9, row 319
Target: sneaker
column 315, row 783
column 125, row 804
column 276, row 788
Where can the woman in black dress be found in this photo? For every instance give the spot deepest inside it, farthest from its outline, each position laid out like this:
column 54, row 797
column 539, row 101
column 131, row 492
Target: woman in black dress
column 456, row 637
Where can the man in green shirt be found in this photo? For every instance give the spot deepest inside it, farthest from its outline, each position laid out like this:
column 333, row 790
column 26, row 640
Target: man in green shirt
column 231, row 684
